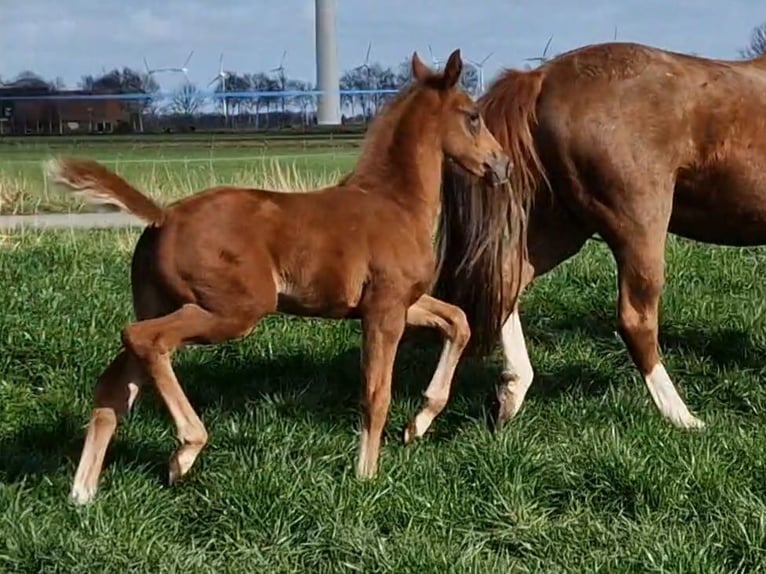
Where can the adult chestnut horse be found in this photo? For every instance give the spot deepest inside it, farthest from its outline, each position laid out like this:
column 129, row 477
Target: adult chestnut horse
column 621, row 140
column 210, row 266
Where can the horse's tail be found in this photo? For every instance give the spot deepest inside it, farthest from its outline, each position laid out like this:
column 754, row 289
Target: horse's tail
column 481, row 237
column 96, row 184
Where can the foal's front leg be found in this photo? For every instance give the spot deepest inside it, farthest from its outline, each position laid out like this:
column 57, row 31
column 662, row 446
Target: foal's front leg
column 451, row 321
column 381, row 332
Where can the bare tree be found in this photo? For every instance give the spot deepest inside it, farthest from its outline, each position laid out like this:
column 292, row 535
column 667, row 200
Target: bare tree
column 187, row 100
column 757, row 45
column 125, row 81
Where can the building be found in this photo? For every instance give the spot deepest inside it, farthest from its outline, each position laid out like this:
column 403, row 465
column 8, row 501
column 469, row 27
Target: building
column 36, row 109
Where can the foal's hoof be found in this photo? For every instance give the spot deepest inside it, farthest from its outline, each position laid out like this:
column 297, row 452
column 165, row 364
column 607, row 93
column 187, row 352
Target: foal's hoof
column 689, row 422
column 409, row 435
column 174, row 473
column 366, row 472
column 82, row 495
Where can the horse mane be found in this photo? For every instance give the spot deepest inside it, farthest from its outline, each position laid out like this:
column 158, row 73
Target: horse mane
column 379, row 137
column 480, row 226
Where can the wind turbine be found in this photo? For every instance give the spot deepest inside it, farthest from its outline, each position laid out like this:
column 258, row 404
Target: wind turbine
column 368, row 83
column 220, row 77
column 182, row 69
column 480, row 67
column 366, row 65
column 544, row 57
column 280, row 70
column 437, row 63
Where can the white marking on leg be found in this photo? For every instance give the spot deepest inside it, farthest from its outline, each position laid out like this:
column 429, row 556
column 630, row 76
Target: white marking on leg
column 133, row 390
column 517, row 372
column 362, row 464
column 436, row 394
column 667, row 399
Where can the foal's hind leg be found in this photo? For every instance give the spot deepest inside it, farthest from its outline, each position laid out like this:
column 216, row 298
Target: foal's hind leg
column 452, row 322
column 154, row 341
column 115, row 393
column 116, row 390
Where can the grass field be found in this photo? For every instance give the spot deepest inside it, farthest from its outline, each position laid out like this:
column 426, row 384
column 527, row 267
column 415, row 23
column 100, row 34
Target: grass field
column 588, row 478
column 168, row 168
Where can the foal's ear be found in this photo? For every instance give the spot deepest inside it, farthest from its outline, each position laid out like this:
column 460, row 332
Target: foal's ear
column 453, row 69
column 419, row 70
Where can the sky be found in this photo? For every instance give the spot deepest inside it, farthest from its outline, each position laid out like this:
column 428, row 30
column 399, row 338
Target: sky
column 70, row 38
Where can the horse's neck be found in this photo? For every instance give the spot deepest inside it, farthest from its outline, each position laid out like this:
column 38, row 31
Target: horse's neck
column 757, row 62
column 405, row 163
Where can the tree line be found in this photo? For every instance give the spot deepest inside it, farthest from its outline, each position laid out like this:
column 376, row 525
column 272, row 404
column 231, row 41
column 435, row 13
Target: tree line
column 189, row 99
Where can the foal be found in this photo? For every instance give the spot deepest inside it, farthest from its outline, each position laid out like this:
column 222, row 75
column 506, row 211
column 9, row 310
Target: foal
column 210, row 266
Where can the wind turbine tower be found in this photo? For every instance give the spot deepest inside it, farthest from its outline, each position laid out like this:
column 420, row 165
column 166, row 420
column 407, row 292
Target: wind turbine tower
column 328, row 77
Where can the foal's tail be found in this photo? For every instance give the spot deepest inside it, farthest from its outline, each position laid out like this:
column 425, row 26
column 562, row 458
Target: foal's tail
column 96, row 184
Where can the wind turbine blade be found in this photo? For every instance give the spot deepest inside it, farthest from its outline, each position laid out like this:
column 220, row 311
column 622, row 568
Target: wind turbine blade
column 367, row 57
column 148, row 70
column 282, row 61
column 547, row 45
column 188, row 58
column 487, row 57
column 615, row 32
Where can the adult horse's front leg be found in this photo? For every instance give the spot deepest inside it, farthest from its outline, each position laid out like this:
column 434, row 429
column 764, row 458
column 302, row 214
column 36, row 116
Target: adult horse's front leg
column 640, row 268
column 517, row 374
column 554, row 235
column 636, row 228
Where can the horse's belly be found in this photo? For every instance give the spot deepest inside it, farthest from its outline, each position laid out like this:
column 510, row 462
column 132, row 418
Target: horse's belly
column 727, row 211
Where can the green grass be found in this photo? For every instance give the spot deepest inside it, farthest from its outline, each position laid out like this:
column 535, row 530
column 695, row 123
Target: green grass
column 167, row 168
column 587, row 478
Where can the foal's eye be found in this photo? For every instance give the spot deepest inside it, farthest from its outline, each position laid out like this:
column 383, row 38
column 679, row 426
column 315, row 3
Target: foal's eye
column 473, row 120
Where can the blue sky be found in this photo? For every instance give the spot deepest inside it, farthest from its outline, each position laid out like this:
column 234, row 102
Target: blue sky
column 69, row 38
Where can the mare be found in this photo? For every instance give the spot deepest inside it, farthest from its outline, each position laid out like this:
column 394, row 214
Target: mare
column 208, row 267
column 621, row 140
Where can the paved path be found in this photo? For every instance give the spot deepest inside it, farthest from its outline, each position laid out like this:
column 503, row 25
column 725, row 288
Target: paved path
column 69, row 221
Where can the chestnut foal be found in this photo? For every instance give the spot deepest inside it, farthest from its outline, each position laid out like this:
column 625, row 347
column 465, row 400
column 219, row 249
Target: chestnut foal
column 210, row 266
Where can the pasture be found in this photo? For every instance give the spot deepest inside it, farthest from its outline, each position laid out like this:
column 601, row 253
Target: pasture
column 588, row 476
column 169, row 166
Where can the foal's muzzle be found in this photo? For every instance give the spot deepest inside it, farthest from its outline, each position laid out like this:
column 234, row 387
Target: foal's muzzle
column 498, row 169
